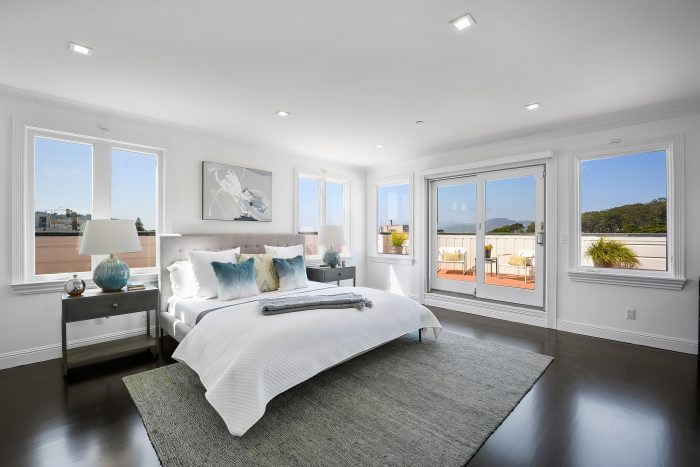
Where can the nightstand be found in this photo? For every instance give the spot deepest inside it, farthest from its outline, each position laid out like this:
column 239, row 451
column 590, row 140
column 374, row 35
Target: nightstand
column 318, row 274
column 95, row 304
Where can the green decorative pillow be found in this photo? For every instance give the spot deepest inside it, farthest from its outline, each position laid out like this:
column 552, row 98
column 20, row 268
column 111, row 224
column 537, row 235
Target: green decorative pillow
column 265, row 273
column 518, row 260
column 452, row 256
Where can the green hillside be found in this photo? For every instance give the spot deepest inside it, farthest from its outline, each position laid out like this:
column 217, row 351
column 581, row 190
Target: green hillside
column 631, row 218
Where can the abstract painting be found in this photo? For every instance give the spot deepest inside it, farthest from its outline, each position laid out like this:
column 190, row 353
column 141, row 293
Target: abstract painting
column 236, row 193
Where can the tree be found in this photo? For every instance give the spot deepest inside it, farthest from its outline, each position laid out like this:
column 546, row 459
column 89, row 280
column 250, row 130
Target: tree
column 531, row 227
column 139, row 225
column 630, row 218
column 512, row 228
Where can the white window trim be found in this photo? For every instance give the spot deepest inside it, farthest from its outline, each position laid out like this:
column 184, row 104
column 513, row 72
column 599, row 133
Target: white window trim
column 324, row 177
column 24, row 281
column 674, row 277
column 388, row 258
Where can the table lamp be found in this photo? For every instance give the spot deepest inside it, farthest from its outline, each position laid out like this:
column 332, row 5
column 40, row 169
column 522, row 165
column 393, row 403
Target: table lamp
column 329, row 235
column 110, row 236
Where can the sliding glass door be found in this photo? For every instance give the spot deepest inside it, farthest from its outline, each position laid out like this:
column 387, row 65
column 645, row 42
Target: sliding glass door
column 487, row 235
column 453, row 223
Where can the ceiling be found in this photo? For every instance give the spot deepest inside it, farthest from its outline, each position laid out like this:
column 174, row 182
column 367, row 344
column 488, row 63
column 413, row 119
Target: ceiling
column 357, row 73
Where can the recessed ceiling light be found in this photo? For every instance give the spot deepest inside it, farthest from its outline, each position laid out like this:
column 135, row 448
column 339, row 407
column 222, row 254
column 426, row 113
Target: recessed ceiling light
column 283, row 113
column 79, row 48
column 379, row 146
column 533, row 106
column 463, row 22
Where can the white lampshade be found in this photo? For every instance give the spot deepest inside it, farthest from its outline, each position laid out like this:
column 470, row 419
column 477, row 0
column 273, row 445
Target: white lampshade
column 105, row 236
column 331, row 235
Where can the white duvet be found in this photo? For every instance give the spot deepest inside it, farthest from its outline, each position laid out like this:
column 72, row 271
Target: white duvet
column 244, row 358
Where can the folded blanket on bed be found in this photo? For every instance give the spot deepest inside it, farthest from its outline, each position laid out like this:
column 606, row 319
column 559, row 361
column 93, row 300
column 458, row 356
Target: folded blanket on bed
column 276, row 306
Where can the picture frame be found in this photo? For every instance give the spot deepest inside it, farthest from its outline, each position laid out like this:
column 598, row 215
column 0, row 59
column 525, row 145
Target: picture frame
column 235, row 193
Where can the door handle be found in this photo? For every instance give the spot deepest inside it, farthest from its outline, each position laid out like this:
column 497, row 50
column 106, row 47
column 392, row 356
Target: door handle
column 539, row 238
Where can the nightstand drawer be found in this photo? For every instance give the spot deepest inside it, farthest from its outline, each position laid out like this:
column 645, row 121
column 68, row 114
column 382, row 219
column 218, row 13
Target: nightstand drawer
column 338, row 274
column 109, row 304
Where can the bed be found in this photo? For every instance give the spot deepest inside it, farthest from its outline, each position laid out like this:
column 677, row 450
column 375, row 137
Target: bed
column 244, row 358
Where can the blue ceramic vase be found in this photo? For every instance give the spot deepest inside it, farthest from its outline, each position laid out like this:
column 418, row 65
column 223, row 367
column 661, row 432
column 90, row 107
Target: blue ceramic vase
column 331, row 257
column 111, row 274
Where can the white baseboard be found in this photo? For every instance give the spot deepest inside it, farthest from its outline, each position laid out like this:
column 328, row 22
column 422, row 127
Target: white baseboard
column 48, row 352
column 488, row 309
column 632, row 337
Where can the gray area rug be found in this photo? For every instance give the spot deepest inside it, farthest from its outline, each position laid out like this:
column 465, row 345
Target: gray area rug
column 405, row 403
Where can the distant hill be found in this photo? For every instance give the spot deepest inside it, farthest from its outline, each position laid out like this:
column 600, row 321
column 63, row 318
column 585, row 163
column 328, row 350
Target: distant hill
column 469, row 228
column 631, row 218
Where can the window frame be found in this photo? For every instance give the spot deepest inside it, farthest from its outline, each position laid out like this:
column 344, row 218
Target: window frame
column 24, row 279
column 674, row 275
column 374, row 254
column 324, row 177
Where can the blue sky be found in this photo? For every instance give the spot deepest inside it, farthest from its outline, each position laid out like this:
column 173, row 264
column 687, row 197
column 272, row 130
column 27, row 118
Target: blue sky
column 63, row 174
column 393, row 204
column 308, row 204
column 616, row 181
column 512, row 198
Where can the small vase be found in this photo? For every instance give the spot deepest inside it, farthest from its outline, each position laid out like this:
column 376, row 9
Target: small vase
column 74, row 287
column 487, row 253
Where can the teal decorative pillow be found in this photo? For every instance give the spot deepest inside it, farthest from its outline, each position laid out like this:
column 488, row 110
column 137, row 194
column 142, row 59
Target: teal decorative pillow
column 235, row 280
column 291, row 272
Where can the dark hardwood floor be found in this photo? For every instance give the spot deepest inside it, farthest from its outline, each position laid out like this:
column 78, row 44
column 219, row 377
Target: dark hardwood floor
column 600, row 403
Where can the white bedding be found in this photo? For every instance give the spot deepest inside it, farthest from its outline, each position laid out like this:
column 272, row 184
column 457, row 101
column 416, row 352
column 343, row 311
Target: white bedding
column 188, row 309
column 244, row 359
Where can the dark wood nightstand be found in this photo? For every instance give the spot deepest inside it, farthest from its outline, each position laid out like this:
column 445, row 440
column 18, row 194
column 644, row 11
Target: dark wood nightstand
column 97, row 304
column 319, row 274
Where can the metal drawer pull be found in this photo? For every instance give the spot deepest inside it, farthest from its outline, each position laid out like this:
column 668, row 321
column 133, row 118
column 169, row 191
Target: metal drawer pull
column 115, row 305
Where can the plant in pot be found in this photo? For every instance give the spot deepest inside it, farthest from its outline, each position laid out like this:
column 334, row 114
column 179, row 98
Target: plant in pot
column 398, row 240
column 611, row 254
column 487, row 250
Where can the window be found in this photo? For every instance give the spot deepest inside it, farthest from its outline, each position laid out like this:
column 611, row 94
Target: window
column 71, row 179
column 626, row 213
column 321, row 200
column 394, row 218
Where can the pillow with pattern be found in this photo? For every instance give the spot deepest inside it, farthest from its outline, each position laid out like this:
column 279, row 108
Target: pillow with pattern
column 265, row 272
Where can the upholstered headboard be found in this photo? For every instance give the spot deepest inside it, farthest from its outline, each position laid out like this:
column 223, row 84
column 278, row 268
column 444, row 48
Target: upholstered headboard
column 174, row 248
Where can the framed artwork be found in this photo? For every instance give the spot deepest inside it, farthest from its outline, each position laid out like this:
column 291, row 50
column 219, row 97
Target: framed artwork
column 233, row 193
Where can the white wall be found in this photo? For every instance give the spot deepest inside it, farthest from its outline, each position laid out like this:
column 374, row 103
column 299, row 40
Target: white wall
column 30, row 324
column 666, row 319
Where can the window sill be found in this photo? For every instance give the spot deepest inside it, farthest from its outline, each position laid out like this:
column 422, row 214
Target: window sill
column 668, row 283
column 41, row 287
column 391, row 259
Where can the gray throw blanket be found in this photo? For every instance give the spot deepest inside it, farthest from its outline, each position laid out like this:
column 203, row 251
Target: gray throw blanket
column 276, row 306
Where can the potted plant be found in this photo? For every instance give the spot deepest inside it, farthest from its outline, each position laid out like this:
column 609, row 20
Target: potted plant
column 398, row 239
column 611, row 254
column 487, row 250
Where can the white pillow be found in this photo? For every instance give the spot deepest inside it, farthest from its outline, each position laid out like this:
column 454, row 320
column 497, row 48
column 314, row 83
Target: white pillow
column 285, row 252
column 182, row 280
column 206, row 285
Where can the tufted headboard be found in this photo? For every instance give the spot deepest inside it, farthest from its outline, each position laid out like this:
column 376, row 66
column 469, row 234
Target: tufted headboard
column 174, row 248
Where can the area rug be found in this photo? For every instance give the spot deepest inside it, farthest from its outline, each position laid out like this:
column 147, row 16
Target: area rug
column 405, row 403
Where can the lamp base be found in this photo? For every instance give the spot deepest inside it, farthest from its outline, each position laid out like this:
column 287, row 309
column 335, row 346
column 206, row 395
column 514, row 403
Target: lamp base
column 331, row 257
column 111, row 274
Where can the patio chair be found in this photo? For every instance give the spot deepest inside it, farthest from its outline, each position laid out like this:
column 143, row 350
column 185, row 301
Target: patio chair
column 453, row 255
column 524, row 261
